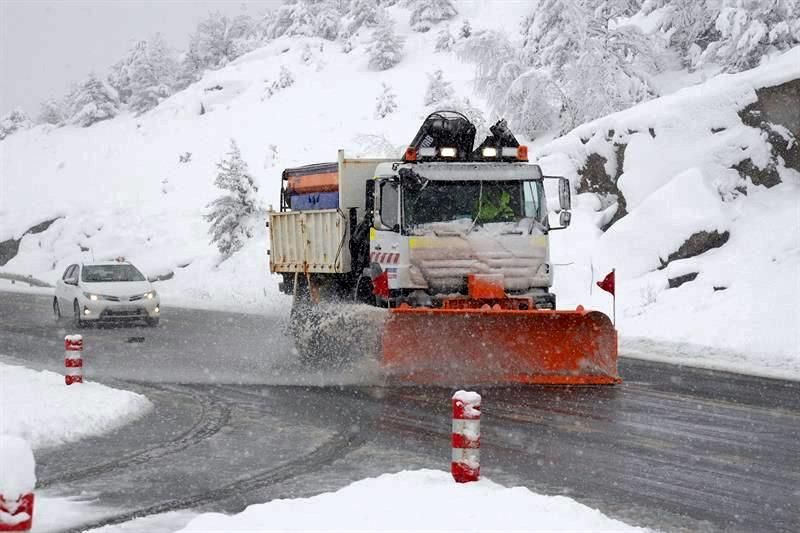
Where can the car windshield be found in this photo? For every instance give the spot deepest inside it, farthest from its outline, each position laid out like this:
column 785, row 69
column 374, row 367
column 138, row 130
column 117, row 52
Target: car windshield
column 98, row 273
column 481, row 201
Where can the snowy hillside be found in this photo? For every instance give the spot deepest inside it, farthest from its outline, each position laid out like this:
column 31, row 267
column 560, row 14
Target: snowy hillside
column 138, row 185
column 709, row 250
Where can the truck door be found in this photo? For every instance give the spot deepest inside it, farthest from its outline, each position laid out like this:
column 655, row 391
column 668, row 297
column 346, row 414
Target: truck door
column 385, row 238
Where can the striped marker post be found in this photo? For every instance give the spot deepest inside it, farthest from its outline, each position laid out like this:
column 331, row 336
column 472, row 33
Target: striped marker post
column 16, row 515
column 466, row 464
column 73, row 359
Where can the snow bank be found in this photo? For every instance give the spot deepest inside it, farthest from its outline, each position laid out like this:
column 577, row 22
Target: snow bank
column 17, row 466
column 423, row 500
column 40, row 408
column 677, row 177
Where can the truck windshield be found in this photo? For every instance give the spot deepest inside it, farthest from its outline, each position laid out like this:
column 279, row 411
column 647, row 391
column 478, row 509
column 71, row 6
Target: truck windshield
column 99, row 273
column 480, row 201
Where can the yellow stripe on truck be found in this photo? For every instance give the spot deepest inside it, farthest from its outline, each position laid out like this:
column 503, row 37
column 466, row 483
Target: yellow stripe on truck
column 457, row 242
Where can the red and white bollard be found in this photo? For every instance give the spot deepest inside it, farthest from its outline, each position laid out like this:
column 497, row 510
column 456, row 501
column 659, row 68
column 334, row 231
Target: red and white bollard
column 73, row 359
column 17, row 480
column 466, row 465
column 17, row 515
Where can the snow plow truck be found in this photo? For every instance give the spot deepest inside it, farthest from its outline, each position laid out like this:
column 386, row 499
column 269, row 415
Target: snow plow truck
column 437, row 261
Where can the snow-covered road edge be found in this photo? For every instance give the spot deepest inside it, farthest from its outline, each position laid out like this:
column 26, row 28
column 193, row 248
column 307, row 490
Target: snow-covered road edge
column 710, row 358
column 39, row 407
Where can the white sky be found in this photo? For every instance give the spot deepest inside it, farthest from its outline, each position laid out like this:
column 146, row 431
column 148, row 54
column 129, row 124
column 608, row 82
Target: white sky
column 46, row 45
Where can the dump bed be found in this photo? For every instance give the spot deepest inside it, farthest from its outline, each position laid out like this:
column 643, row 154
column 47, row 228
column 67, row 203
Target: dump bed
column 310, row 238
column 309, row 241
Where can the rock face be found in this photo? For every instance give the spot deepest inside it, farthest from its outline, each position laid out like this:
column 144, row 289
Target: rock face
column 697, row 244
column 9, row 248
column 777, row 114
column 594, row 178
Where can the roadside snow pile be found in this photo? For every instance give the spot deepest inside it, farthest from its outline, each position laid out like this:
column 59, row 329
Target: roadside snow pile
column 18, row 468
column 694, row 198
column 423, row 500
column 39, row 407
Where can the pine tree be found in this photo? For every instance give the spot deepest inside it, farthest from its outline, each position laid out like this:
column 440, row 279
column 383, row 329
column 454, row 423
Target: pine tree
column 216, row 38
column 92, row 101
column 51, row 112
column 386, row 102
column 152, row 75
column 750, row 30
column 327, row 22
column 444, row 41
column 14, row 121
column 385, row 48
column 427, row 13
column 119, row 76
column 285, row 79
column 466, row 30
column 438, row 89
column 364, row 13
column 231, row 215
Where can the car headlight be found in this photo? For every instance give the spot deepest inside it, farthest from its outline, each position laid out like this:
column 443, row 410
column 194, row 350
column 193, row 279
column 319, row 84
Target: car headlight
column 150, row 295
column 92, row 297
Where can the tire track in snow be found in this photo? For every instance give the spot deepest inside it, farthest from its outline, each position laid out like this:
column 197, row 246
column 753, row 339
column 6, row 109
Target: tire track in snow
column 215, row 414
column 329, row 451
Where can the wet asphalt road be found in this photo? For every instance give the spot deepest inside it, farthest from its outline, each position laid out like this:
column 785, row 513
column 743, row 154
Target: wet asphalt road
column 236, row 422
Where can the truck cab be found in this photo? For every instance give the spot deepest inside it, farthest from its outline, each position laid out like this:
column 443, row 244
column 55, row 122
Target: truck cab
column 436, row 222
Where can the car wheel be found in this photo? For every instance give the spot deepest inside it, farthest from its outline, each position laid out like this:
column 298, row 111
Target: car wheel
column 152, row 322
column 77, row 320
column 56, row 309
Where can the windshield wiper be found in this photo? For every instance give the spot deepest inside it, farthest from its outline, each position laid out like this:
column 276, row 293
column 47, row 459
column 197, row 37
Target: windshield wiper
column 512, row 232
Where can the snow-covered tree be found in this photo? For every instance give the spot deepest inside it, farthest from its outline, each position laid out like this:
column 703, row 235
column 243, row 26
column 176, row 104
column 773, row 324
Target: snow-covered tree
column 364, row 13
column 191, row 66
column 427, row 13
column 749, row 30
column 444, row 41
column 466, row 30
column 232, row 214
column 285, row 78
column 119, row 75
column 438, row 89
column 292, row 18
column 52, row 112
column 152, row 75
column 385, row 48
column 92, row 101
column 327, row 22
column 14, row 121
column 217, row 38
column 386, row 102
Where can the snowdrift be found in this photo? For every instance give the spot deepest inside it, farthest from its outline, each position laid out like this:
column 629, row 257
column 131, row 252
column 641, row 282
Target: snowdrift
column 694, row 199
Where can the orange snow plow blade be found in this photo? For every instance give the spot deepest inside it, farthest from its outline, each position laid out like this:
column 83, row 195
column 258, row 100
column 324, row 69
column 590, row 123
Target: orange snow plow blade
column 499, row 340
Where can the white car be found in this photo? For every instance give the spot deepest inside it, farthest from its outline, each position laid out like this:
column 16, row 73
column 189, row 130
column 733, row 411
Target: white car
column 105, row 291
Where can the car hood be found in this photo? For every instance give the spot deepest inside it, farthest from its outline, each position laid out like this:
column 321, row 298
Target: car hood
column 117, row 288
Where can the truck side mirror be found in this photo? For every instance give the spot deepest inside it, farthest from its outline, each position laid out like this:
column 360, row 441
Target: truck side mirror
column 564, row 196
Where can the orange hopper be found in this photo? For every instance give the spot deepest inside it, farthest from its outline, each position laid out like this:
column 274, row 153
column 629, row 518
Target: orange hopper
column 489, row 337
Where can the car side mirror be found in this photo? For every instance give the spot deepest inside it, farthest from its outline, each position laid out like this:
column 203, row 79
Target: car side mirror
column 71, row 281
column 565, row 218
